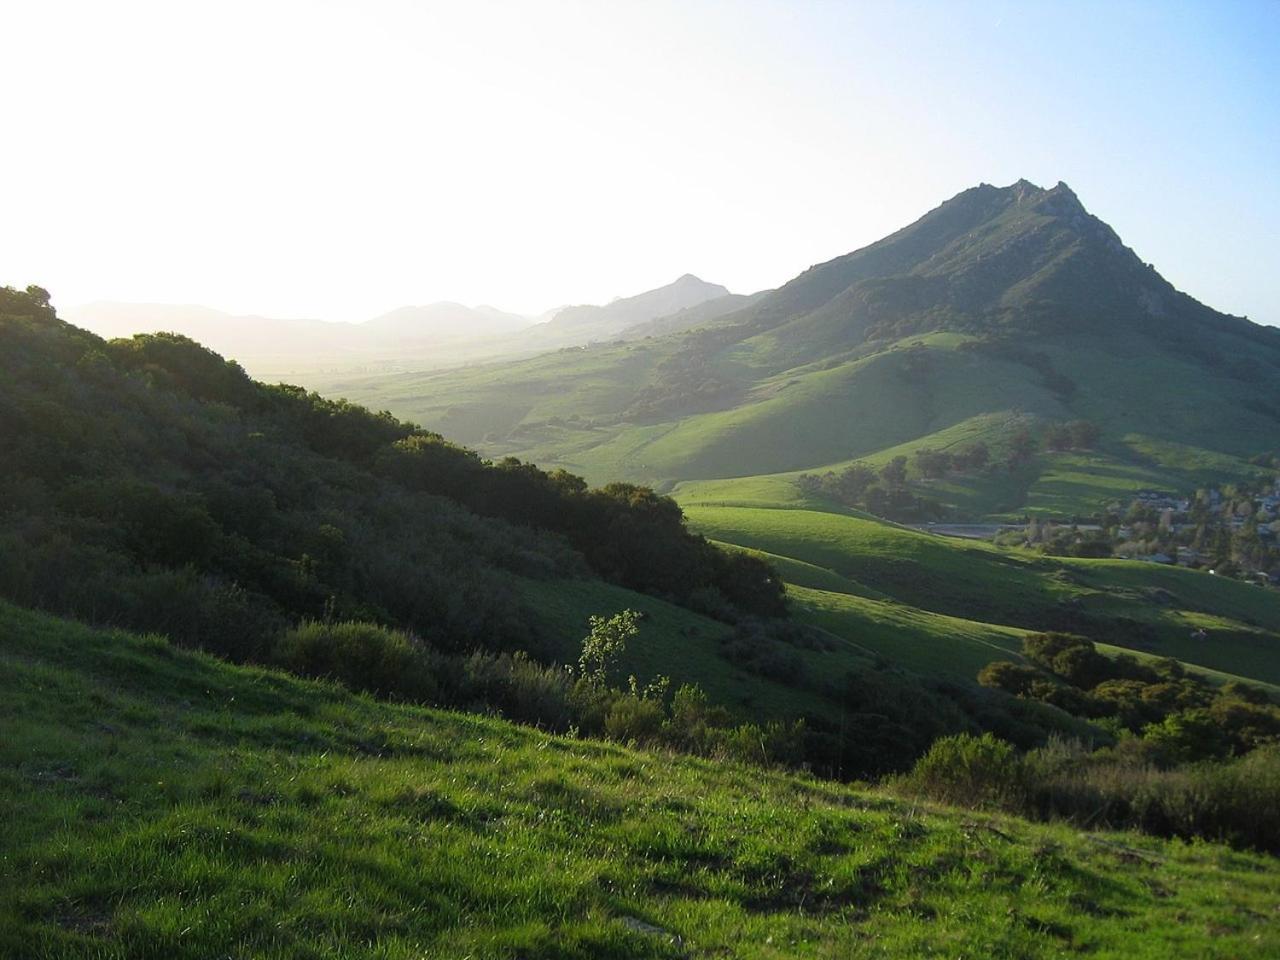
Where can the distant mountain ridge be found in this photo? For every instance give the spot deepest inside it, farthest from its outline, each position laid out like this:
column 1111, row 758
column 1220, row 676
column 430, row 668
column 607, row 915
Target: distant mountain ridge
column 578, row 325
column 431, row 335
column 682, row 293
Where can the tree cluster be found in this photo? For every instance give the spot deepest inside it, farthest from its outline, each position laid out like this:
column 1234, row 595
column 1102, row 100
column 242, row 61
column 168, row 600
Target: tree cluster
column 1183, row 716
column 883, row 492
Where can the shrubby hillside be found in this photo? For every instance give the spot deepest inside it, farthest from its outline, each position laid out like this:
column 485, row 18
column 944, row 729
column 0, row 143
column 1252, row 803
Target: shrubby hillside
column 149, row 482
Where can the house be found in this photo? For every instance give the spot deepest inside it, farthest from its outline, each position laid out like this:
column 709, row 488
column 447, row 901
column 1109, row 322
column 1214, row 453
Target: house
column 1188, row 556
column 1158, row 558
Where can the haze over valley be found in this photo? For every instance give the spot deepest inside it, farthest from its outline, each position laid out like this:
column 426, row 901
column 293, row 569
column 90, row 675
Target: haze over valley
column 412, row 337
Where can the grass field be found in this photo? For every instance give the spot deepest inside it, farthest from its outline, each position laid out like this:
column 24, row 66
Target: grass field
column 968, row 595
column 161, row 804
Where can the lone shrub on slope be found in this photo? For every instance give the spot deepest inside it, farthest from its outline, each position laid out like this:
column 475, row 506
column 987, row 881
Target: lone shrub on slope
column 363, row 656
column 968, row 771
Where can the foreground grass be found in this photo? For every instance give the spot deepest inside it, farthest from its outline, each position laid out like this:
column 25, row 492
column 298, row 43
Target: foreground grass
column 162, row 804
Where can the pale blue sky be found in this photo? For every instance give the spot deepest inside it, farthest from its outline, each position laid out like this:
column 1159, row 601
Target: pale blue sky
column 335, row 159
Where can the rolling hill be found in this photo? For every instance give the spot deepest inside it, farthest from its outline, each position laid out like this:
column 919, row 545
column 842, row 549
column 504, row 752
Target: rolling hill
column 1004, row 310
column 947, row 607
column 149, row 483
column 1001, row 312
column 173, row 805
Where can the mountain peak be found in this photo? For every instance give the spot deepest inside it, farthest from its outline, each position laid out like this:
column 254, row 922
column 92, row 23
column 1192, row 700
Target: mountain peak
column 1025, row 190
column 688, row 279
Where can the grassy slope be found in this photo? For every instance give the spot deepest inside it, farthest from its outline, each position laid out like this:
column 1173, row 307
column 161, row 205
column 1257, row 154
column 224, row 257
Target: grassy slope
column 672, row 642
column 820, row 416
column 164, row 804
column 936, row 580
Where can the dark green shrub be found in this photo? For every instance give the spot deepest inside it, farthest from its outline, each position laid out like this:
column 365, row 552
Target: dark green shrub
column 755, row 646
column 1131, row 787
column 969, row 771
column 1015, row 678
column 1239, row 801
column 1189, row 736
column 695, row 721
column 633, row 719
column 774, row 743
column 363, row 656
column 517, row 687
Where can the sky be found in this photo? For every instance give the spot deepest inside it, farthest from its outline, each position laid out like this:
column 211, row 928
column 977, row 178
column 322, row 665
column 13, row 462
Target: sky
column 339, row 159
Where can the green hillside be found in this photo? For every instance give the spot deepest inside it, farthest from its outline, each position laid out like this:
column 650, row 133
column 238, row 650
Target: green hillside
column 675, row 643
column 1002, row 311
column 148, row 483
column 952, row 600
column 175, row 806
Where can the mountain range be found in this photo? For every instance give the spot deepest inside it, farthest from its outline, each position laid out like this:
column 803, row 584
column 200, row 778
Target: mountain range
column 410, row 337
column 1001, row 312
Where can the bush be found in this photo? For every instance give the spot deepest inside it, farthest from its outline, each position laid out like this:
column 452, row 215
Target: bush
column 1188, row 736
column 606, row 642
column 1015, row 678
column 695, row 722
column 633, row 719
column 517, row 687
column 757, row 647
column 969, row 771
column 1128, row 787
column 774, row 743
column 363, row 656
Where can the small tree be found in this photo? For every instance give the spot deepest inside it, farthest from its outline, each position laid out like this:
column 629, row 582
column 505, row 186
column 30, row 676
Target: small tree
column 1015, row 678
column 1021, row 446
column 894, row 473
column 605, row 643
column 1084, row 434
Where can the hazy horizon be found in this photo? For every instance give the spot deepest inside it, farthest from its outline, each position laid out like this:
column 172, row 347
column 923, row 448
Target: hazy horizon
column 534, row 316
column 336, row 161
